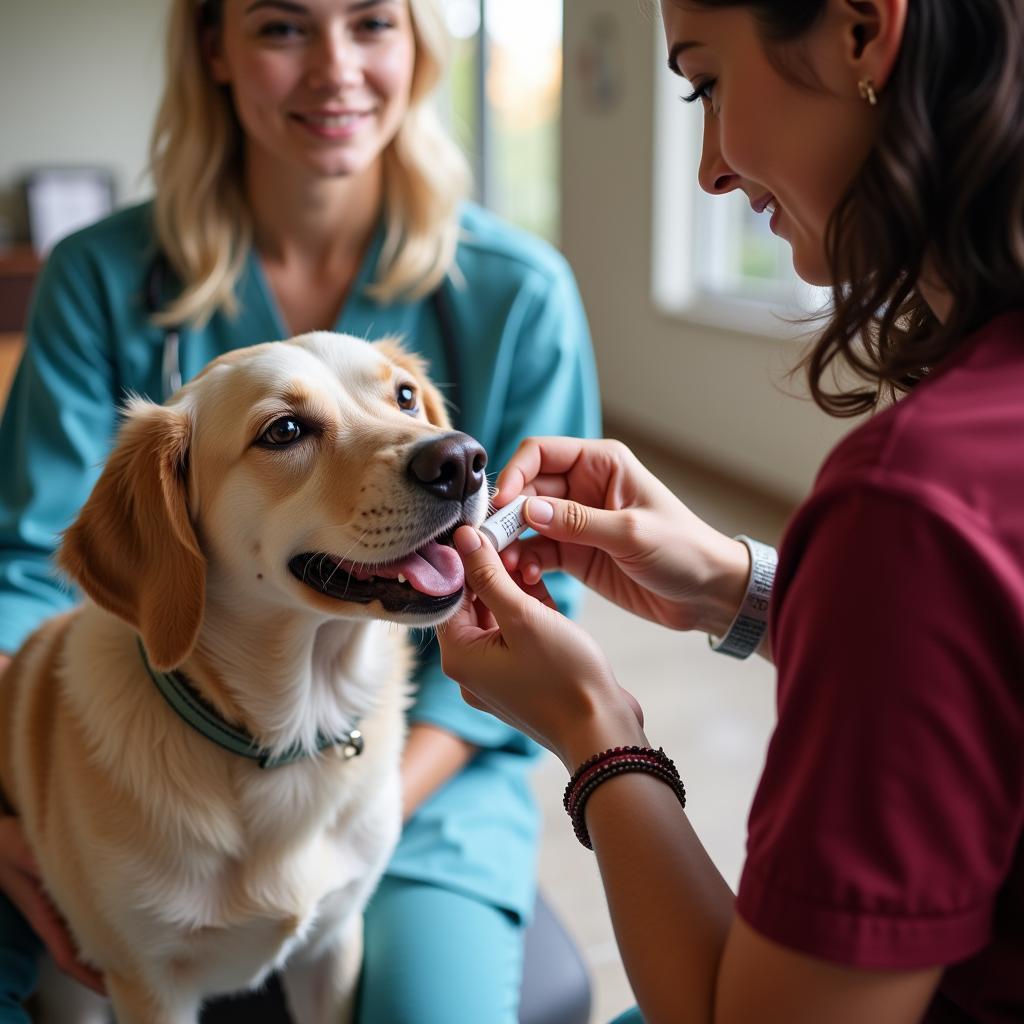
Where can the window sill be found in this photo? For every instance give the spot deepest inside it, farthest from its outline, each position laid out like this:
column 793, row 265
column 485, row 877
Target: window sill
column 759, row 318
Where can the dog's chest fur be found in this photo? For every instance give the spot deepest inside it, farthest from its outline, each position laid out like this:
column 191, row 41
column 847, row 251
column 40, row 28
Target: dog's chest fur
column 228, row 866
column 269, row 533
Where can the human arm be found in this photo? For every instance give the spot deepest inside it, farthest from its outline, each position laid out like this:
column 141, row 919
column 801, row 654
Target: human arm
column 612, row 524
column 686, row 952
column 54, row 434
column 20, row 883
column 431, row 756
column 56, row 422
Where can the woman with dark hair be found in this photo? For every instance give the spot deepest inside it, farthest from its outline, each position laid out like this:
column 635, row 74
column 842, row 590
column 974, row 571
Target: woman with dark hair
column 884, row 879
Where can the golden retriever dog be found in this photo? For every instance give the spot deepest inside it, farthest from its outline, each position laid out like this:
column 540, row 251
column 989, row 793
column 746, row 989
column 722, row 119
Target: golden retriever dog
column 205, row 753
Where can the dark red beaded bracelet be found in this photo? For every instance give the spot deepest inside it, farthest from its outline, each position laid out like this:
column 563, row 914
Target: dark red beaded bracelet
column 606, row 765
column 594, row 770
column 578, row 819
column 603, row 755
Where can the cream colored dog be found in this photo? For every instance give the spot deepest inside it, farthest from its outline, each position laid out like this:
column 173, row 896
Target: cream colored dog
column 245, row 554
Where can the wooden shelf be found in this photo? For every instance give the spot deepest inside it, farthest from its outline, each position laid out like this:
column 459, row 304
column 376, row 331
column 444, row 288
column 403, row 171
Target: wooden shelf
column 10, row 352
column 19, row 267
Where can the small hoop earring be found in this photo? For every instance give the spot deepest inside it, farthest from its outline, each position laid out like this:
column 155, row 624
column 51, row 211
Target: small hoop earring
column 867, row 91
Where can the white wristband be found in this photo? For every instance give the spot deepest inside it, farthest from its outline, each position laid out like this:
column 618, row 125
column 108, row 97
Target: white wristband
column 747, row 631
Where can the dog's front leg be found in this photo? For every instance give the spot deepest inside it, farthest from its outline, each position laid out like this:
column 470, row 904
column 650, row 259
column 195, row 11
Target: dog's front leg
column 136, row 1003
column 321, row 984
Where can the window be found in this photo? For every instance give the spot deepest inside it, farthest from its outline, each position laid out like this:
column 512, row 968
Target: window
column 503, row 104
column 715, row 261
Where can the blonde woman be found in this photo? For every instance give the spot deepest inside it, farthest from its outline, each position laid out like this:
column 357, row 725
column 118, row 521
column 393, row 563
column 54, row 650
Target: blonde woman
column 303, row 182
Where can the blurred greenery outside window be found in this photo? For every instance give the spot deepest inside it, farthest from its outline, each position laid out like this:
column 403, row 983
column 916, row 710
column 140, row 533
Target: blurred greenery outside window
column 502, row 102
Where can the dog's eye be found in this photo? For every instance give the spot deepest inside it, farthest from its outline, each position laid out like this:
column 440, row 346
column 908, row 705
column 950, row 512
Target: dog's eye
column 281, row 432
column 406, row 395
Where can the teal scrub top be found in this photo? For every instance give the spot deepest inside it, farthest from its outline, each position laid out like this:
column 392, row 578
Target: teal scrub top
column 526, row 368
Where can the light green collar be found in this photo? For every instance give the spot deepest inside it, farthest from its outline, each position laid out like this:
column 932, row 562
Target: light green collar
column 197, row 712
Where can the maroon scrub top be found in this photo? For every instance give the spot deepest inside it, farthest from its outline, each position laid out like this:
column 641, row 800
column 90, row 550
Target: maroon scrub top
column 886, row 831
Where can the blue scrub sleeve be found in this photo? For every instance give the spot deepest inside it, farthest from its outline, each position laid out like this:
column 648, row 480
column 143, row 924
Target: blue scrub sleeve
column 55, row 432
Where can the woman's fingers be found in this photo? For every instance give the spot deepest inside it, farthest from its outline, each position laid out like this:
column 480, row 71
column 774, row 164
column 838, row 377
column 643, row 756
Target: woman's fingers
column 533, row 456
column 574, row 523
column 16, row 850
column 486, row 576
column 52, row 930
column 556, row 486
column 471, row 623
column 496, row 596
column 540, row 459
column 24, row 891
column 539, row 592
column 484, row 619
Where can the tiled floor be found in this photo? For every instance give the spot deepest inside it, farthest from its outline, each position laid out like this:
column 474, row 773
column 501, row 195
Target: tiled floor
column 712, row 714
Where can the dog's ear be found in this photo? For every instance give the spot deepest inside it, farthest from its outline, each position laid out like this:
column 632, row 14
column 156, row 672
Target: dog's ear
column 434, row 404
column 132, row 548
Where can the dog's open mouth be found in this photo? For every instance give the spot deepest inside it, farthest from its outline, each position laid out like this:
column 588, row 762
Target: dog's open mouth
column 425, row 581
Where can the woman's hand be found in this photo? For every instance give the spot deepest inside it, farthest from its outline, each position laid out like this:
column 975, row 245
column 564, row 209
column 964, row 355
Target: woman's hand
column 612, row 524
column 19, row 880
column 516, row 656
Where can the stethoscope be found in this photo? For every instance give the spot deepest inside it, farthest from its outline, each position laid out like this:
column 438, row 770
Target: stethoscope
column 170, row 359
column 159, row 273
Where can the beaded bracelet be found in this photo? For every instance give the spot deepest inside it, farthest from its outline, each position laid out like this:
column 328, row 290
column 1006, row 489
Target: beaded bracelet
column 607, row 764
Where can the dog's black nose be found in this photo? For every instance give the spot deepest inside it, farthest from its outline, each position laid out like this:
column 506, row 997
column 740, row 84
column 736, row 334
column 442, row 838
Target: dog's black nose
column 451, row 466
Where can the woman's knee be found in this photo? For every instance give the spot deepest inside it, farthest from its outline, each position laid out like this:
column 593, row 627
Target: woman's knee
column 434, row 956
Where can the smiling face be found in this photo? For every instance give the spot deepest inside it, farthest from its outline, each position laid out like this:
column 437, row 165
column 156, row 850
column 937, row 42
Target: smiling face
column 793, row 147
column 324, row 473
column 322, row 85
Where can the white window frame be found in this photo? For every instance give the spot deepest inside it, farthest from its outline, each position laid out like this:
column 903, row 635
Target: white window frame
column 689, row 228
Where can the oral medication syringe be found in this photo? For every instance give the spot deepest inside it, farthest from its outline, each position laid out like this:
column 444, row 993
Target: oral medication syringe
column 506, row 524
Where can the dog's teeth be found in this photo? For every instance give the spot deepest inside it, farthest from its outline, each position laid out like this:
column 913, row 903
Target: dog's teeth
column 402, row 579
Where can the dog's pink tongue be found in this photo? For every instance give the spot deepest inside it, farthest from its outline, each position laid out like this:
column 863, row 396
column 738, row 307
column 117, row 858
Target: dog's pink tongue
column 435, row 569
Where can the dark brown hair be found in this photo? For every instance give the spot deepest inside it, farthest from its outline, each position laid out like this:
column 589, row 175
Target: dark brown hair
column 943, row 189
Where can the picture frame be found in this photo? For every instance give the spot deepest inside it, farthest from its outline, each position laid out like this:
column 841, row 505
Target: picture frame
column 60, row 200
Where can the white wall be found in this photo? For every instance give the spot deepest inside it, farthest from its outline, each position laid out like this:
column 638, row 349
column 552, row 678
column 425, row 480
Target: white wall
column 79, row 83
column 715, row 396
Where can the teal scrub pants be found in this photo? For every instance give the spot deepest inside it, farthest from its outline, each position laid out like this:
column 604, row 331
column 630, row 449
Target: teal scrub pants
column 629, row 1017
column 433, row 956
column 19, row 953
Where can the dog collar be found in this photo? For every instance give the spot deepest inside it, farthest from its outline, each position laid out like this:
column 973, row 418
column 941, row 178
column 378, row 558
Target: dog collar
column 197, row 712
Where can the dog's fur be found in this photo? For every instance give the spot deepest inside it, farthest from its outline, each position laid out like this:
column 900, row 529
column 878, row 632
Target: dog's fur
column 185, row 870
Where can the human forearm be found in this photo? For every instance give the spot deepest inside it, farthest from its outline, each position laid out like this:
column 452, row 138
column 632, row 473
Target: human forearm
column 518, row 658
column 432, row 756
column 670, row 907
